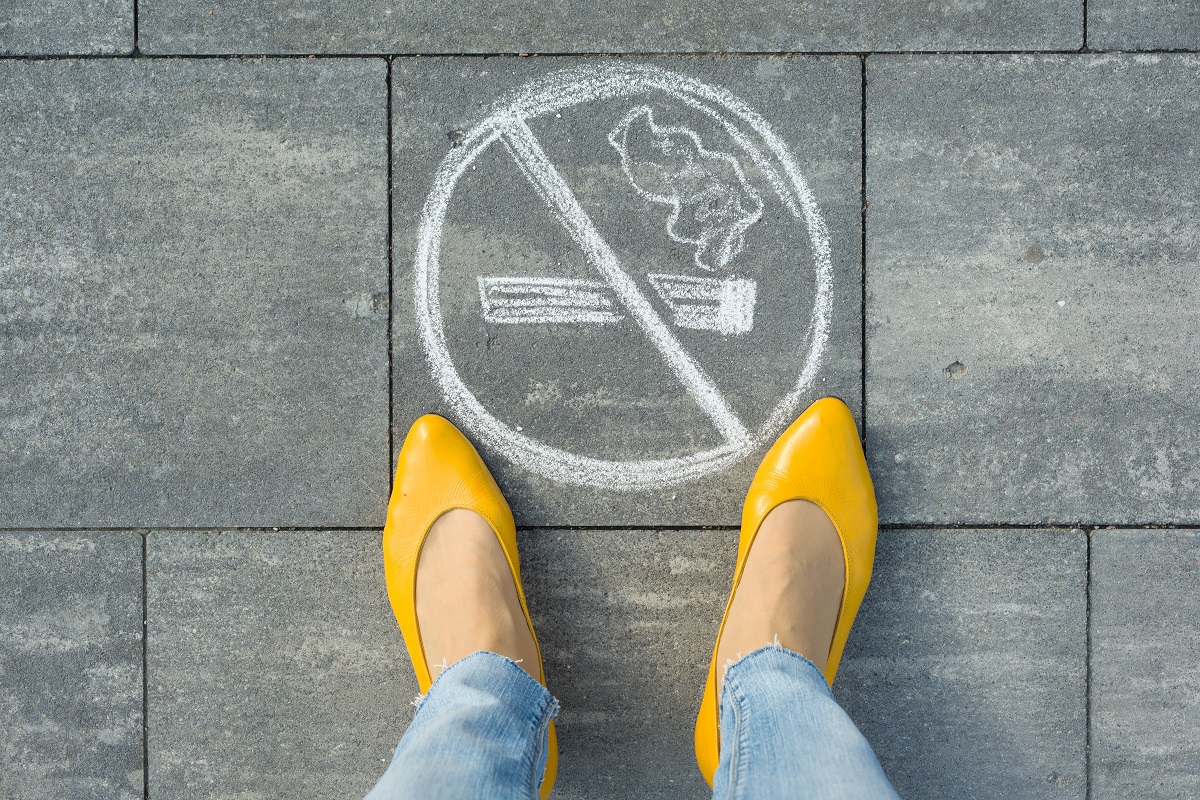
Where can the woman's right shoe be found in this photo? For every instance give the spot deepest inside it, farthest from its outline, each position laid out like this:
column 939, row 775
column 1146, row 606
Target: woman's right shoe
column 437, row 471
column 819, row 459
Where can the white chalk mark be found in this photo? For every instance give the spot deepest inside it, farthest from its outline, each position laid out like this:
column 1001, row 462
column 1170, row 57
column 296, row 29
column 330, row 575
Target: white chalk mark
column 708, row 304
column 712, row 204
column 546, row 301
column 550, row 95
column 545, row 178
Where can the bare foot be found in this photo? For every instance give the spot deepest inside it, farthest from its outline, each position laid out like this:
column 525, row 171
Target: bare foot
column 466, row 600
column 791, row 588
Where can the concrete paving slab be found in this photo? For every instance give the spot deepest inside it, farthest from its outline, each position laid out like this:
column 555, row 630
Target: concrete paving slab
column 520, row 26
column 284, row 640
column 194, row 300
column 1143, row 25
column 1145, row 637
column 1031, row 288
column 66, row 27
column 71, row 666
column 545, row 352
column 966, row 669
column 627, row 621
column 276, row 667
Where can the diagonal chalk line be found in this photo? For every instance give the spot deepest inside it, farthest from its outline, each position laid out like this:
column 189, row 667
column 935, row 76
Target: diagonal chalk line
column 529, row 156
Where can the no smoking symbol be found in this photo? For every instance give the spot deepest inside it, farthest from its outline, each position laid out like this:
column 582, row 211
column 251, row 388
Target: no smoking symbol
column 712, row 171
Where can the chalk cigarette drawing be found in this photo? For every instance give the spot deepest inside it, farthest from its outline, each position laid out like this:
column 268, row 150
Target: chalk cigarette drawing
column 708, row 304
column 712, row 204
column 697, row 303
column 547, row 300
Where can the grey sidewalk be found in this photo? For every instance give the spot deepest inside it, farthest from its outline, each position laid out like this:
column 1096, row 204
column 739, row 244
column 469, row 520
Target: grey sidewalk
column 214, row 335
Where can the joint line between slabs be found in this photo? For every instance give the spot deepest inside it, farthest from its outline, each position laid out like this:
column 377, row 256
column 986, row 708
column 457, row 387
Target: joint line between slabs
column 1087, row 680
column 581, row 55
column 884, row 526
column 862, row 309
column 1084, row 48
column 145, row 674
column 142, row 529
column 391, row 421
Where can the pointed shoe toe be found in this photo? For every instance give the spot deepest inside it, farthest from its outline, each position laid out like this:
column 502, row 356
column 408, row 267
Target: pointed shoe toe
column 438, row 470
column 819, row 458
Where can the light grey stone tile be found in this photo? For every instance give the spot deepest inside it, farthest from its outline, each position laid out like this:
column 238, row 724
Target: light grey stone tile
column 193, row 293
column 629, row 26
column 1143, row 25
column 71, row 666
column 66, row 27
column 966, row 668
column 603, row 391
column 276, row 667
column 1145, row 648
column 626, row 621
column 1031, row 288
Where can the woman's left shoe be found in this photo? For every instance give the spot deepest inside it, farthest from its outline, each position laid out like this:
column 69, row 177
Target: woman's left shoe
column 819, row 459
column 437, row 471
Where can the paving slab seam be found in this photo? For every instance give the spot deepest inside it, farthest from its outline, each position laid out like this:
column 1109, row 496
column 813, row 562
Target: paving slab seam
column 901, row 526
column 391, row 288
column 229, row 528
column 1056, row 525
column 1087, row 664
column 1085, row 28
column 145, row 679
column 137, row 54
column 862, row 281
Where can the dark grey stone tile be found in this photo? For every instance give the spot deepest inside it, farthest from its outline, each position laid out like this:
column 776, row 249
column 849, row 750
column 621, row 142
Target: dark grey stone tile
column 626, row 621
column 276, row 667
column 1145, row 647
column 1143, row 25
column 629, row 26
column 62, row 27
column 1031, row 287
column 966, row 669
column 71, row 666
column 193, row 312
column 605, row 391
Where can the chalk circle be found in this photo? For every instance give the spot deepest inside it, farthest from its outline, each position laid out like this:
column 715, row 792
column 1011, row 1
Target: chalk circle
column 553, row 93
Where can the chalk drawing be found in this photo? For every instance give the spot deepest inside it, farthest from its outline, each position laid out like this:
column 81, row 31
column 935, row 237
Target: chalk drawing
column 546, row 300
column 507, row 126
column 712, row 205
column 708, row 304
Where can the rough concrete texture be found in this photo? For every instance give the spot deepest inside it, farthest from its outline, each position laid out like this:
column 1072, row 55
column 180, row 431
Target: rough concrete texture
column 626, row 621
column 966, row 669
column 70, row 666
column 193, row 288
column 1145, row 640
column 1032, row 258
column 602, row 390
column 628, row 26
column 1144, row 25
column 276, row 667
column 59, row 27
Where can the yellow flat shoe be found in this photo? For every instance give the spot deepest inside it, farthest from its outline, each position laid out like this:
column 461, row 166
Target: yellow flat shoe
column 819, row 459
column 438, row 470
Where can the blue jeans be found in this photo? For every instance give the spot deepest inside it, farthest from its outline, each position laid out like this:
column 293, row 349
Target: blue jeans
column 480, row 732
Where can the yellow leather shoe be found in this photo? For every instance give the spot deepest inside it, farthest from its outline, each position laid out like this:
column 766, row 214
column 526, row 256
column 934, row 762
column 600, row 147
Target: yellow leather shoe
column 438, row 470
column 819, row 459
